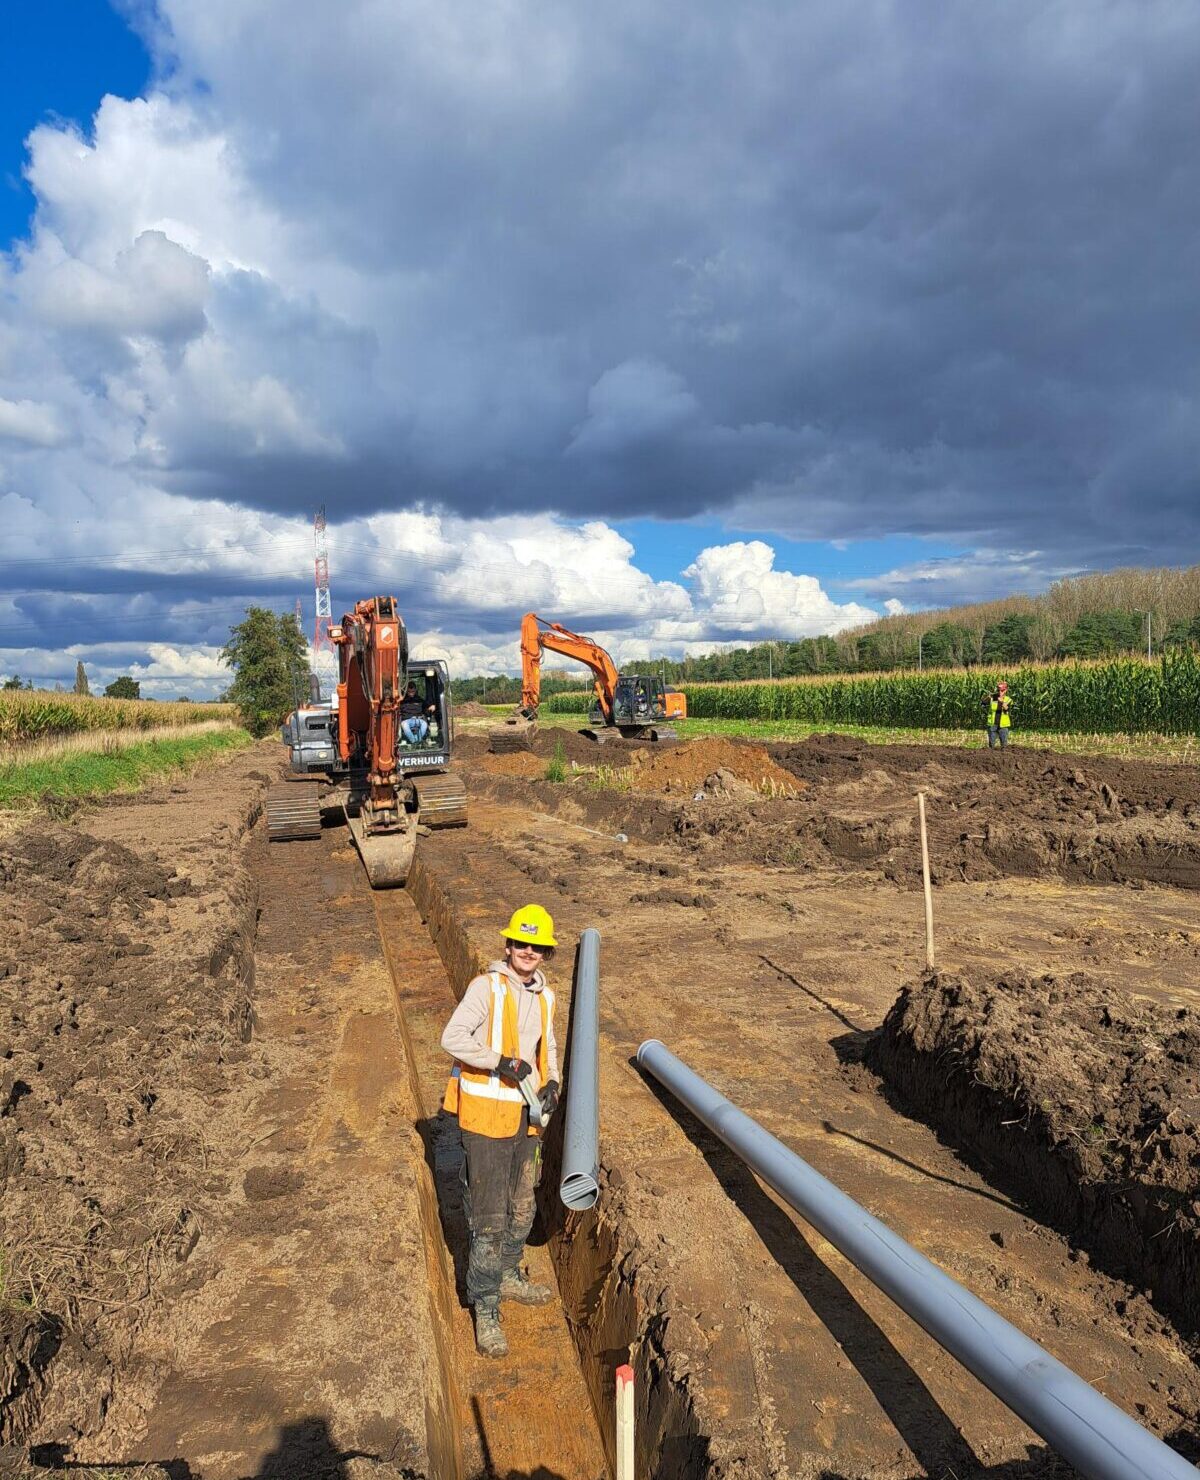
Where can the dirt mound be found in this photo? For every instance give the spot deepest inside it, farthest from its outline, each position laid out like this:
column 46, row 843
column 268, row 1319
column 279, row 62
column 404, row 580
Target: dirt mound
column 521, row 763
column 575, row 747
column 469, row 709
column 1087, row 1101
column 686, row 768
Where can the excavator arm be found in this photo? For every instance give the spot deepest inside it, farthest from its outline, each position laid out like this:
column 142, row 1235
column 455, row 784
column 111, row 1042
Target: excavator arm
column 372, row 651
column 537, row 635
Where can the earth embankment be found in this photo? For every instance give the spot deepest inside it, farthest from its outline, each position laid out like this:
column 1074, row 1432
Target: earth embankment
column 1079, row 1097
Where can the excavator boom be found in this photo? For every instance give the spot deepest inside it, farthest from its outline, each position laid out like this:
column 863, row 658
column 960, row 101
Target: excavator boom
column 536, row 635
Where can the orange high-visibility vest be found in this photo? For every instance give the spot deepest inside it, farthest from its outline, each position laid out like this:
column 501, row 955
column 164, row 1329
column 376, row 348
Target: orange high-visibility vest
column 483, row 1102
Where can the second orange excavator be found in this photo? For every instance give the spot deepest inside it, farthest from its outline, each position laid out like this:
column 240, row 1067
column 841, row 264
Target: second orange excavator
column 635, row 705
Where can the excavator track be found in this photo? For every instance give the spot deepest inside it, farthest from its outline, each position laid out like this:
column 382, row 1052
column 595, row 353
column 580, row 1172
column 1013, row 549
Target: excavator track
column 293, row 812
column 511, row 736
column 442, row 800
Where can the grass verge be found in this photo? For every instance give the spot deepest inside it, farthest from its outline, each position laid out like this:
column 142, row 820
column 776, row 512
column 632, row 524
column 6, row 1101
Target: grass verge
column 130, row 767
column 1177, row 749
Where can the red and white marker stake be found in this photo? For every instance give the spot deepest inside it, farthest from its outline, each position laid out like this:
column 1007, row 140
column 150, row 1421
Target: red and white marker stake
column 625, row 1423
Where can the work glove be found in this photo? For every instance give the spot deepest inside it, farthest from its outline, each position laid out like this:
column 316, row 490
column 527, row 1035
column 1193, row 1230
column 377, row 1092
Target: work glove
column 549, row 1097
column 516, row 1069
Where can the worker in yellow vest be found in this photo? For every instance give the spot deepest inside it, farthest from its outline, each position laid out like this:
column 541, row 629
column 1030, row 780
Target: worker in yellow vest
column 502, row 1032
column 999, row 720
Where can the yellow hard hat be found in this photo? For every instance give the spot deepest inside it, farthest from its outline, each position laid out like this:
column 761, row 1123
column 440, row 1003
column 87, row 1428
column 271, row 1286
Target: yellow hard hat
column 530, row 925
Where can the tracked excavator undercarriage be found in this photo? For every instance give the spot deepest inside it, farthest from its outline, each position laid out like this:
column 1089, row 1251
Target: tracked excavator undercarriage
column 355, row 753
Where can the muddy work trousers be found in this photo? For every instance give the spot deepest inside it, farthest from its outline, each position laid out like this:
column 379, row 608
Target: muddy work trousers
column 997, row 735
column 500, row 1177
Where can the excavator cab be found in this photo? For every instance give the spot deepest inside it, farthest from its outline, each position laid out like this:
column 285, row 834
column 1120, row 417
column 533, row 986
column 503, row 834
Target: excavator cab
column 641, row 706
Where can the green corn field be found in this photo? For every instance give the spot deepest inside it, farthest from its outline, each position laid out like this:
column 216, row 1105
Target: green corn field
column 1114, row 696
column 28, row 716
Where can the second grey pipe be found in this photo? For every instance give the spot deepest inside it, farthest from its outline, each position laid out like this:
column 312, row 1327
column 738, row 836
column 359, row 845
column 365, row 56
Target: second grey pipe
column 1096, row 1436
column 579, row 1186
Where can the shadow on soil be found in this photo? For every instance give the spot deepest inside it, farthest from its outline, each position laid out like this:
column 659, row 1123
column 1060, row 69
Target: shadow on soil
column 933, row 1439
column 305, row 1451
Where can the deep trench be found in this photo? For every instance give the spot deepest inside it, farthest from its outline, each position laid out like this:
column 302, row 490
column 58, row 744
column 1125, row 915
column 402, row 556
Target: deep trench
column 582, row 1265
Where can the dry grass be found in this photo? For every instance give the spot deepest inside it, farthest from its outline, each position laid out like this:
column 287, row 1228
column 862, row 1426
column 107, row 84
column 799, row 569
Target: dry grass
column 105, row 742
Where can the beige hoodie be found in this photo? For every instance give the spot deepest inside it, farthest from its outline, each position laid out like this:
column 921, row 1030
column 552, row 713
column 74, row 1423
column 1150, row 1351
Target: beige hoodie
column 467, row 1032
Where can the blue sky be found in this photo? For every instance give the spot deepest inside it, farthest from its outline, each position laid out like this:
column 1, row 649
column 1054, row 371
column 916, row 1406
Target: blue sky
column 836, row 306
column 44, row 79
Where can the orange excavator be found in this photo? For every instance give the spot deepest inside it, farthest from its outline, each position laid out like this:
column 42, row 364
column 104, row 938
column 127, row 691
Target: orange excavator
column 389, row 777
column 635, row 705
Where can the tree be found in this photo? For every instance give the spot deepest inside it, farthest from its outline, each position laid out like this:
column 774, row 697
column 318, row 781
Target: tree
column 1008, row 641
column 123, row 688
column 12, row 683
column 81, row 681
column 269, row 658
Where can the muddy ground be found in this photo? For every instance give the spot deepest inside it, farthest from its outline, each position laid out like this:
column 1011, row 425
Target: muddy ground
column 222, row 1075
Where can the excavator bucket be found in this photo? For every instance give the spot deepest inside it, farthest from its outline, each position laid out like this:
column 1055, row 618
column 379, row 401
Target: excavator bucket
column 387, row 856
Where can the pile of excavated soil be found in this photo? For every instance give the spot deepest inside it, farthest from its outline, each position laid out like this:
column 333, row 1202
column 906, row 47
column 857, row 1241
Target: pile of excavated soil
column 520, row 763
column 471, row 710
column 1086, row 1101
column 573, row 746
column 126, row 945
column 686, row 768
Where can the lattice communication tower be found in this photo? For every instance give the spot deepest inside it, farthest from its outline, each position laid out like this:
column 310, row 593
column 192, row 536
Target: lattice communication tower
column 324, row 660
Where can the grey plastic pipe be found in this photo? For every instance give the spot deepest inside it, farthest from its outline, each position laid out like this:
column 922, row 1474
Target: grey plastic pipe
column 1093, row 1434
column 580, row 1184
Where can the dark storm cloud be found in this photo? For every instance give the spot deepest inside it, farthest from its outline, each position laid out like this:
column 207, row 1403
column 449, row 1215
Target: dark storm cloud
column 919, row 268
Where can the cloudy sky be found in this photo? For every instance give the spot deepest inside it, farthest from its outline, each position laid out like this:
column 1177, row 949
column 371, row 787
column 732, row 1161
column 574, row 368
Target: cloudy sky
column 683, row 323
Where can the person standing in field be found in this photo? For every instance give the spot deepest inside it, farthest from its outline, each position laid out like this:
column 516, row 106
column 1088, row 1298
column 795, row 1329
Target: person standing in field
column 999, row 720
column 500, row 1034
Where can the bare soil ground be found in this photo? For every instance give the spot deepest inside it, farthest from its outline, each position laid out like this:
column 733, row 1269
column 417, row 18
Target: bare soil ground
column 992, row 814
column 127, row 978
column 231, row 1209
column 1084, row 1100
column 211, row 1212
column 763, row 1352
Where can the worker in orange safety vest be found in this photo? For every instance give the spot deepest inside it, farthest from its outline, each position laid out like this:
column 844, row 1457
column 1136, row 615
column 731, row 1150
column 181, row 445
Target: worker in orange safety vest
column 502, row 1032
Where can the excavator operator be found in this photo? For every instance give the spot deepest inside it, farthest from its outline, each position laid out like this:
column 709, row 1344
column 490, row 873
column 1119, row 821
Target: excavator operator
column 502, row 1032
column 414, row 715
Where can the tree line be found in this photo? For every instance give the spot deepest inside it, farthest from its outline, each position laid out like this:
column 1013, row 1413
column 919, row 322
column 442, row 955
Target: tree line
column 1107, row 614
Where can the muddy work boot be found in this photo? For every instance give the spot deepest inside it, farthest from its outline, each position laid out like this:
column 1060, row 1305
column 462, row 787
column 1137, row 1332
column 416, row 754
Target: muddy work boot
column 514, row 1286
column 490, row 1340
